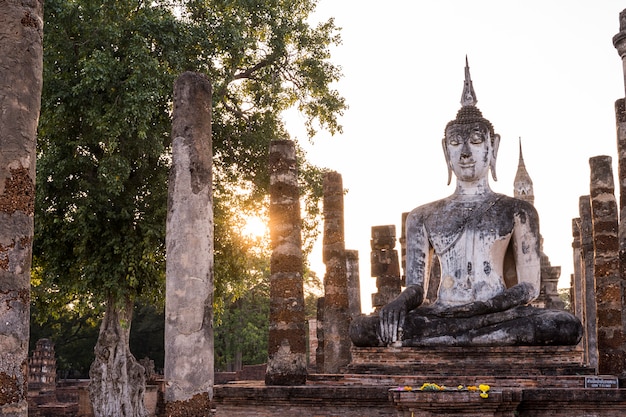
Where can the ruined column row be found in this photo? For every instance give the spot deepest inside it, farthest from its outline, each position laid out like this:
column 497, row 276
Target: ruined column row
column 287, row 349
column 600, row 250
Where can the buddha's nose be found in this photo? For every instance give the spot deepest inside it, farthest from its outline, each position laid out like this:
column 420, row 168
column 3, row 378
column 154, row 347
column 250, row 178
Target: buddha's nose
column 465, row 151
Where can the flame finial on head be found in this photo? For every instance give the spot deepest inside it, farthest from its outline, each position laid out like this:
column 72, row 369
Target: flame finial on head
column 469, row 113
column 468, row 98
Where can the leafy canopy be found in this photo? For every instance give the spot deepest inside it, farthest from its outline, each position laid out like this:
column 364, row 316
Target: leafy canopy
column 104, row 132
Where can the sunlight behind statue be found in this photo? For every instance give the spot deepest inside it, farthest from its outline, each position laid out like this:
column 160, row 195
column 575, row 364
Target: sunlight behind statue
column 488, row 245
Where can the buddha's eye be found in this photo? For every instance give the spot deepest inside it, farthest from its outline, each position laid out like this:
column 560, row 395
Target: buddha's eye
column 455, row 140
column 477, row 137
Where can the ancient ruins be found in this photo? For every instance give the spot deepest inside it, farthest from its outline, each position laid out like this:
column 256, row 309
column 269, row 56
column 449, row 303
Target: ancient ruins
column 527, row 372
column 479, row 332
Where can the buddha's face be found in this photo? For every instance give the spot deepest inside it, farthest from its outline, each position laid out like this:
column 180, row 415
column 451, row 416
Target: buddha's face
column 468, row 150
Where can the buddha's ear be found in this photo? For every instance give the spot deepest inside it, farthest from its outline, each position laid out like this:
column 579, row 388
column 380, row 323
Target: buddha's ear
column 495, row 145
column 447, row 155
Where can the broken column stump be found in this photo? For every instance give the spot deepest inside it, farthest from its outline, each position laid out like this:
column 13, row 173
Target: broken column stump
column 385, row 265
column 589, row 282
column 189, row 244
column 353, row 282
column 620, row 118
column 287, row 329
column 578, row 283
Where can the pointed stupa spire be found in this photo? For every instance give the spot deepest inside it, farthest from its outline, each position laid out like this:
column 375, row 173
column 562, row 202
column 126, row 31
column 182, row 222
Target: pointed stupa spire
column 523, row 184
column 468, row 98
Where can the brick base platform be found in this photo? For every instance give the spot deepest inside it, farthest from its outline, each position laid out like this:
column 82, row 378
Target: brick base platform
column 525, row 382
column 464, row 361
column 344, row 396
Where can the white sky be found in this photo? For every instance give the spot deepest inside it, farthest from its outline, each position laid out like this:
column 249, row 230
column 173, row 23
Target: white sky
column 545, row 70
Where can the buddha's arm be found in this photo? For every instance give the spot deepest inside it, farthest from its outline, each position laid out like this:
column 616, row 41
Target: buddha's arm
column 417, row 265
column 526, row 248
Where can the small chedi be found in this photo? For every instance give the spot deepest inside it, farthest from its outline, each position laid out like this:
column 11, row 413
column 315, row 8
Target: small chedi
column 489, row 250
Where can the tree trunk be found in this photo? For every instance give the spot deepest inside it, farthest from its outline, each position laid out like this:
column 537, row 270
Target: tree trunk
column 118, row 381
column 21, row 60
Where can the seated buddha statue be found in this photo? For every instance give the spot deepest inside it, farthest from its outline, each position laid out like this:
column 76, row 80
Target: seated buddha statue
column 488, row 246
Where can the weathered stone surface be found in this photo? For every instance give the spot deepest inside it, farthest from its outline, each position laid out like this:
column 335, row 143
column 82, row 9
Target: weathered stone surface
column 475, row 362
column 253, row 400
column 468, row 404
column 609, row 285
column 587, row 255
column 577, row 280
column 287, row 329
column 336, row 304
column 349, row 395
column 319, row 351
column 189, row 243
column 21, row 60
column 620, row 117
column 353, row 283
column 385, row 265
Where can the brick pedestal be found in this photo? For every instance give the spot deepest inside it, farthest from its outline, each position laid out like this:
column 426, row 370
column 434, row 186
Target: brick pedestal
column 475, row 361
column 449, row 403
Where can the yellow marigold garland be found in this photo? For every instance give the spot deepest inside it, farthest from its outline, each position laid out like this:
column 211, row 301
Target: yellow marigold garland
column 483, row 389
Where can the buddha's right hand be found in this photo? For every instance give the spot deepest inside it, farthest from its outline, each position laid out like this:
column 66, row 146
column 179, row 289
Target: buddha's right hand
column 392, row 320
column 392, row 315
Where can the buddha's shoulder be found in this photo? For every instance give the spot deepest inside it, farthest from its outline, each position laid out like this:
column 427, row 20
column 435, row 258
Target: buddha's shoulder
column 514, row 204
column 426, row 210
column 499, row 202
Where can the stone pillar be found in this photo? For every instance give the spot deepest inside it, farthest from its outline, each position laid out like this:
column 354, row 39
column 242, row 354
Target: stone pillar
column 589, row 283
column 620, row 117
column 319, row 352
column 606, row 267
column 287, row 330
column 619, row 42
column 549, row 285
column 189, row 246
column 578, row 292
column 385, row 265
column 354, row 283
column 336, row 306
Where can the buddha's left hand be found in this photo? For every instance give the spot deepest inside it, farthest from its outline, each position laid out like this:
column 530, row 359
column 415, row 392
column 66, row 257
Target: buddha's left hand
column 474, row 308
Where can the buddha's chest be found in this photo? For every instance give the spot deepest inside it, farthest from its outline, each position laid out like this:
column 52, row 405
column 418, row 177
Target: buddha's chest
column 469, row 227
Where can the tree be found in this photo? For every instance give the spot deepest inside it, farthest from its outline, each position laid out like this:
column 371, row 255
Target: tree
column 104, row 135
column 21, row 60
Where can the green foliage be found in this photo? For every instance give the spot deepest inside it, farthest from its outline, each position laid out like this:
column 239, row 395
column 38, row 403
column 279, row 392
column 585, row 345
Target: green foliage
column 104, row 132
column 147, row 334
column 70, row 322
column 243, row 330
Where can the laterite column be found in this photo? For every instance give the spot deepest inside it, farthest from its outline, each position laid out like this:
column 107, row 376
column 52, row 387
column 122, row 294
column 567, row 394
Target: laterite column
column 589, row 282
column 336, row 305
column 287, row 344
column 606, row 267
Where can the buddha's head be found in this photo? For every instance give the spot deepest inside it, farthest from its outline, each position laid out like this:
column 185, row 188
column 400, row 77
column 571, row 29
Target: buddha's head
column 470, row 144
